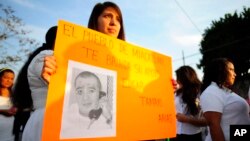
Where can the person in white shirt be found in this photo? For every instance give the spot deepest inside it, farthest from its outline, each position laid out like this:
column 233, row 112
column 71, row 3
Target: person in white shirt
column 189, row 114
column 7, row 110
column 30, row 91
column 221, row 106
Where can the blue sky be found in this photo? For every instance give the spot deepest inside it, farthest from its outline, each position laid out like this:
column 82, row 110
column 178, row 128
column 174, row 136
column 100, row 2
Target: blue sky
column 170, row 27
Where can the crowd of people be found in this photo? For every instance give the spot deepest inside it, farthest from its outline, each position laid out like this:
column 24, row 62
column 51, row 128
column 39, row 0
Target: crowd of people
column 204, row 109
column 214, row 98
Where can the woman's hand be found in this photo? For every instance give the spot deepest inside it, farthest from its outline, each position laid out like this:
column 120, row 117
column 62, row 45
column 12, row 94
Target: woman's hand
column 9, row 112
column 49, row 67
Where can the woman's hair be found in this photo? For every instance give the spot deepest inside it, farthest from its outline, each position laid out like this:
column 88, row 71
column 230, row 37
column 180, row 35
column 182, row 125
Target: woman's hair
column 21, row 96
column 190, row 89
column 216, row 71
column 97, row 11
column 4, row 70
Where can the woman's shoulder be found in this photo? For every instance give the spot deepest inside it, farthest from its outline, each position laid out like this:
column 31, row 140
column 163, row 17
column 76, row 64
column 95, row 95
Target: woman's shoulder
column 212, row 88
column 45, row 53
column 40, row 56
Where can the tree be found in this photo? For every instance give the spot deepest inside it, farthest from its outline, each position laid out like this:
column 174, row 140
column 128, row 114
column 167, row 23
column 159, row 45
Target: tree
column 229, row 37
column 13, row 34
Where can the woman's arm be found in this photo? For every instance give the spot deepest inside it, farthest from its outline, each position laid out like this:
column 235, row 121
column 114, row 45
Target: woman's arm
column 9, row 112
column 191, row 120
column 213, row 120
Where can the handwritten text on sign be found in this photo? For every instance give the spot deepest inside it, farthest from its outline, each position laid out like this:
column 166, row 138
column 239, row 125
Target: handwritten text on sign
column 144, row 91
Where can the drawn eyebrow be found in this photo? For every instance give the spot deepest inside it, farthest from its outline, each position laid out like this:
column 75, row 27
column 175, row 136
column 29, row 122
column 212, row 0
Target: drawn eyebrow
column 79, row 87
column 92, row 87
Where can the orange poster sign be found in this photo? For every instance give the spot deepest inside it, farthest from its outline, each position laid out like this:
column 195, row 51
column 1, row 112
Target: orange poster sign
column 106, row 89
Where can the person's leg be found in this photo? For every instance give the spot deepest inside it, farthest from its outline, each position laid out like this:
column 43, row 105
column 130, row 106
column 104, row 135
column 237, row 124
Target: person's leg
column 172, row 139
column 195, row 137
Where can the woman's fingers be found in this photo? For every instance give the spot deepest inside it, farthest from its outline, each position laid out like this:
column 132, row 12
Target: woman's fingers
column 49, row 68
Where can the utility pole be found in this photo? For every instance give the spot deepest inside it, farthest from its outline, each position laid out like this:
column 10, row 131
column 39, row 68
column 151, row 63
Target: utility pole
column 183, row 58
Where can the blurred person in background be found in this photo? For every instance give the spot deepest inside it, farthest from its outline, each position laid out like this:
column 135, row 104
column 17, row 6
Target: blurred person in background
column 7, row 110
column 221, row 106
column 22, row 98
column 190, row 121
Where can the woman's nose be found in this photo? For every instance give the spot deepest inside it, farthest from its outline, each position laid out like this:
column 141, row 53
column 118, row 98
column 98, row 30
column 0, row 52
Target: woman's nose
column 112, row 21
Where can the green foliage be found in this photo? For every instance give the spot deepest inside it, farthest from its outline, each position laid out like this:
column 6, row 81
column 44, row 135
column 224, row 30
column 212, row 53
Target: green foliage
column 228, row 37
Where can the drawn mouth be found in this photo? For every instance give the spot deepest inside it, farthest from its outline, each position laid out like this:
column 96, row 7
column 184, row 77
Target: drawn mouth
column 86, row 104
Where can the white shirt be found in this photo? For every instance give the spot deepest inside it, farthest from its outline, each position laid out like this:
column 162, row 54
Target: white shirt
column 234, row 108
column 38, row 86
column 6, row 122
column 184, row 128
column 5, row 103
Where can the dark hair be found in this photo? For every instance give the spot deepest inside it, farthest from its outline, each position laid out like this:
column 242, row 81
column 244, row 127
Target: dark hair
column 4, row 70
column 216, row 71
column 86, row 74
column 50, row 38
column 21, row 96
column 190, row 89
column 97, row 11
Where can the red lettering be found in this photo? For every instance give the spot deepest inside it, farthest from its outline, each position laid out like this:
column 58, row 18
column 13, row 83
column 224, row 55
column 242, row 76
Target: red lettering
column 90, row 53
column 68, row 30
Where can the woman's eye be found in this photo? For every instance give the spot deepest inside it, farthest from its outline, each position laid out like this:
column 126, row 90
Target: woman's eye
column 107, row 16
column 118, row 19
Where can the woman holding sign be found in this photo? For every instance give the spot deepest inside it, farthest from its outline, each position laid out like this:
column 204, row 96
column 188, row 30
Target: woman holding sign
column 106, row 18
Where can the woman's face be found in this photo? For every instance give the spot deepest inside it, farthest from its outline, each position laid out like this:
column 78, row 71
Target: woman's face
column 179, row 84
column 7, row 79
column 231, row 74
column 109, row 22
